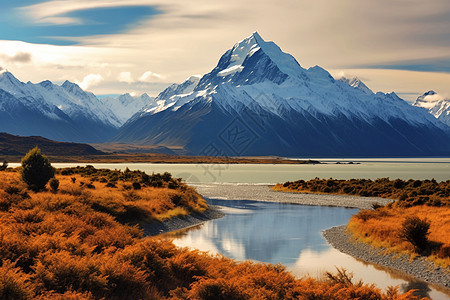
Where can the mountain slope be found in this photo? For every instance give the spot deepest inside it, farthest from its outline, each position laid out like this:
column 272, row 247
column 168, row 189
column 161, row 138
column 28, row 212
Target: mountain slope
column 65, row 112
column 125, row 106
column 436, row 105
column 258, row 100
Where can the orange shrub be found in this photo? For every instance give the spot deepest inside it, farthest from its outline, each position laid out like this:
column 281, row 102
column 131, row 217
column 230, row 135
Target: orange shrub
column 381, row 228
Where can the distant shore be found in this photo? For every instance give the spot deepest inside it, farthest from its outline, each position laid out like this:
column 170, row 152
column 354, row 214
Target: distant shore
column 166, row 159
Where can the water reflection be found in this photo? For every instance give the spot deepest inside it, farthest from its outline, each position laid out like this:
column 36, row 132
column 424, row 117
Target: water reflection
column 290, row 234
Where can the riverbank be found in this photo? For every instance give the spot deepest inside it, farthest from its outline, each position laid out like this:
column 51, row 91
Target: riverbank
column 182, row 222
column 419, row 267
column 337, row 237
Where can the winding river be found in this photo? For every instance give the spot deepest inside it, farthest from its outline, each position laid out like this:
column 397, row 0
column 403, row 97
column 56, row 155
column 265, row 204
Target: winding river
column 292, row 235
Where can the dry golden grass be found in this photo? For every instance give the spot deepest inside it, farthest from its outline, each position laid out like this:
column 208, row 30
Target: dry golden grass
column 77, row 243
column 381, row 228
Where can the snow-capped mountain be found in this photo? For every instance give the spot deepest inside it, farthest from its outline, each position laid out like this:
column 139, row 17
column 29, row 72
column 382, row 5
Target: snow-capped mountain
column 357, row 84
column 258, row 100
column 125, row 106
column 65, row 113
column 437, row 105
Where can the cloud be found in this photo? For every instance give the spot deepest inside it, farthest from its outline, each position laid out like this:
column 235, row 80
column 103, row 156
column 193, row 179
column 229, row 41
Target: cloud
column 433, row 98
column 150, row 76
column 19, row 57
column 125, row 77
column 90, row 80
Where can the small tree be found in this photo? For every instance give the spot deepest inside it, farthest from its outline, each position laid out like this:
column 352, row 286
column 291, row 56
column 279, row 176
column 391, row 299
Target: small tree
column 36, row 169
column 415, row 231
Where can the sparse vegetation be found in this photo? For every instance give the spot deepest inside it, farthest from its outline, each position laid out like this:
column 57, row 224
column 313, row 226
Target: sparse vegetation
column 36, row 170
column 408, row 193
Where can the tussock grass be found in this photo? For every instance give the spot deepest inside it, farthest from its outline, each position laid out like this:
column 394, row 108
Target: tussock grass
column 381, row 228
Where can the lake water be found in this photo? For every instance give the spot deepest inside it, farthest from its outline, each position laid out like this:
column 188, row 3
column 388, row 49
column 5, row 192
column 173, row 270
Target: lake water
column 290, row 234
column 404, row 168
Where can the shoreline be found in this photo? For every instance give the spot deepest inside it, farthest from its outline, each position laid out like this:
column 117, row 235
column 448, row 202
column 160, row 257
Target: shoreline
column 419, row 267
column 182, row 222
column 336, row 236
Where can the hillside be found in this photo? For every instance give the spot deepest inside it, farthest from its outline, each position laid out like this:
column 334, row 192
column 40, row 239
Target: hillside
column 13, row 145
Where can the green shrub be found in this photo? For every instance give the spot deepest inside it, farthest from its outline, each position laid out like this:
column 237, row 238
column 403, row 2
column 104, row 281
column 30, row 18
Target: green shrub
column 36, row 170
column 415, row 231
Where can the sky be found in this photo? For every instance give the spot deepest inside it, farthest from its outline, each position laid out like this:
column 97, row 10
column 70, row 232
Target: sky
column 134, row 46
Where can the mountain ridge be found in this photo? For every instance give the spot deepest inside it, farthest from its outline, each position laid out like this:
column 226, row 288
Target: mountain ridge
column 14, row 145
column 303, row 112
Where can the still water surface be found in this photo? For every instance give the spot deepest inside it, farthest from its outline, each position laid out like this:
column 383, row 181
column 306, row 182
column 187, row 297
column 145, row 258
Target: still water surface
column 290, row 234
column 411, row 168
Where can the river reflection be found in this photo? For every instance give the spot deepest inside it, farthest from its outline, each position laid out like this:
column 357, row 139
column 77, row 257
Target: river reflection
column 289, row 234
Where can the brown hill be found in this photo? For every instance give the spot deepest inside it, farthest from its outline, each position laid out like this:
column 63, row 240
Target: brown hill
column 12, row 145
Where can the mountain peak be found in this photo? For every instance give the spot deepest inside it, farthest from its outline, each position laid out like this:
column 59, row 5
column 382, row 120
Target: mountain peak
column 9, row 77
column 252, row 60
column 71, row 87
column 356, row 83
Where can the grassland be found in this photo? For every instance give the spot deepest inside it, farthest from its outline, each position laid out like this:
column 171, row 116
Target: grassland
column 83, row 241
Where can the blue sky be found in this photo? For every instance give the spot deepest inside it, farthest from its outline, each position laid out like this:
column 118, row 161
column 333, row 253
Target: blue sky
column 137, row 46
column 15, row 25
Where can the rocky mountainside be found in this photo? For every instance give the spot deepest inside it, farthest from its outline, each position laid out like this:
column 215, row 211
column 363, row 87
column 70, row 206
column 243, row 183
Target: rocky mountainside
column 125, row 106
column 65, row 113
column 259, row 100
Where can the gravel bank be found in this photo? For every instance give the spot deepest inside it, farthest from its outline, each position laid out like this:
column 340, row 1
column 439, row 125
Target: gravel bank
column 264, row 193
column 183, row 222
column 419, row 267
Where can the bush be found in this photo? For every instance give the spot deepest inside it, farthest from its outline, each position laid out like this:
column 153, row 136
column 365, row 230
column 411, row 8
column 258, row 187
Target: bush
column 415, row 231
column 36, row 170
column 54, row 184
column 136, row 185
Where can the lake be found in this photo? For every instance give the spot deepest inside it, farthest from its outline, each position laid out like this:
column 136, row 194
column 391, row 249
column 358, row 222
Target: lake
column 403, row 168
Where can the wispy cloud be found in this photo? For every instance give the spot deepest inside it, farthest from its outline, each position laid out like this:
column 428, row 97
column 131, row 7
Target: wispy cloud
column 149, row 76
column 19, row 57
column 125, row 77
column 90, row 80
column 421, row 65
